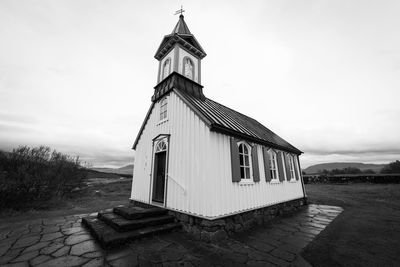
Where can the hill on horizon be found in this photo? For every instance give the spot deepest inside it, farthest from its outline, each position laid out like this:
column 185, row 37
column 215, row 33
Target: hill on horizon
column 128, row 169
column 341, row 165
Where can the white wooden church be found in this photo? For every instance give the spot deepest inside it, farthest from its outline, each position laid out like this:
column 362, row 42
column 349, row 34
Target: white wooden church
column 199, row 157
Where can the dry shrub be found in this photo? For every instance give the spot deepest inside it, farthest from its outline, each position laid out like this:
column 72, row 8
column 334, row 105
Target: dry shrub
column 29, row 176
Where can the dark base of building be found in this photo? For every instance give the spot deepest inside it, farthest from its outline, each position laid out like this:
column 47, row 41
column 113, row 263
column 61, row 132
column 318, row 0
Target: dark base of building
column 213, row 230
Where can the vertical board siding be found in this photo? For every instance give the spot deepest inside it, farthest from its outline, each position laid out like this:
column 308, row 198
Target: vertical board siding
column 199, row 168
column 234, row 197
column 188, row 155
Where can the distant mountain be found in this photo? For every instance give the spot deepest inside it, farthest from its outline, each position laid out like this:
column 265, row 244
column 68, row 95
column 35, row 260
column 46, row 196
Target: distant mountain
column 341, row 165
column 128, row 169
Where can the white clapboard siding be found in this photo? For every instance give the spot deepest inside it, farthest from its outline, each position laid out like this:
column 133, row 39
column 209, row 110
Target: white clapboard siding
column 232, row 197
column 187, row 172
column 199, row 168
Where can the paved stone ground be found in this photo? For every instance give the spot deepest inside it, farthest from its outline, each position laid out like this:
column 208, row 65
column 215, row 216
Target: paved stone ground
column 65, row 242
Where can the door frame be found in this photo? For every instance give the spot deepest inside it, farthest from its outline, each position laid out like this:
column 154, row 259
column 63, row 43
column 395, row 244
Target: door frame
column 156, row 140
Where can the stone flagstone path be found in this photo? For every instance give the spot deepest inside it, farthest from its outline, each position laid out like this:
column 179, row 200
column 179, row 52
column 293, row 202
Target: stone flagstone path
column 65, row 242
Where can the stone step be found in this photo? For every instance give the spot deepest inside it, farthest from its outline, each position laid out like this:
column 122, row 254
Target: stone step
column 121, row 224
column 108, row 237
column 131, row 213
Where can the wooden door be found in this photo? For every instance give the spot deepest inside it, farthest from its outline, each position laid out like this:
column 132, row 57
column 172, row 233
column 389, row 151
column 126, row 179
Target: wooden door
column 159, row 176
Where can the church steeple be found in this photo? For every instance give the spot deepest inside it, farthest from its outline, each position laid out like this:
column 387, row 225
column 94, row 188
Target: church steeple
column 180, row 52
column 181, row 27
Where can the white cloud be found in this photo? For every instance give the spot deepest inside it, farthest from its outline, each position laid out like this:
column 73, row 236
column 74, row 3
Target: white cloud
column 78, row 75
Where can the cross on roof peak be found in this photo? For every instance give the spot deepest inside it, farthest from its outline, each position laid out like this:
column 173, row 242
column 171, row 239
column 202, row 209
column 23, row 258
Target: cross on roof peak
column 180, row 11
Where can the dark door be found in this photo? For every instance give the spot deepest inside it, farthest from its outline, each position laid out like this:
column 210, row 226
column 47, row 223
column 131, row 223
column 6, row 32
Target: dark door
column 159, row 176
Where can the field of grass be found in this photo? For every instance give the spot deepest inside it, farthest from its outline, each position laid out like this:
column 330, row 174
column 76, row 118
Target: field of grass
column 99, row 195
column 367, row 233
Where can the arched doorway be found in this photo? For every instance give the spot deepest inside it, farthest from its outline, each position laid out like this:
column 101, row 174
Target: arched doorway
column 160, row 162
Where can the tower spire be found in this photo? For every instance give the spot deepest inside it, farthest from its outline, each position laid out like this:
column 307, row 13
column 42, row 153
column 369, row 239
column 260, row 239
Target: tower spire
column 181, row 27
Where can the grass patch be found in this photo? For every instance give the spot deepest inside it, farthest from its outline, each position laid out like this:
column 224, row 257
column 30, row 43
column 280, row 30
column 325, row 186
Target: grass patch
column 367, row 233
column 93, row 198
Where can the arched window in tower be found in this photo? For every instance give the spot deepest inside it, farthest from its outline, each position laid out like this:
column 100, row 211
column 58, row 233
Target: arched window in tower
column 163, row 109
column 188, row 68
column 166, row 68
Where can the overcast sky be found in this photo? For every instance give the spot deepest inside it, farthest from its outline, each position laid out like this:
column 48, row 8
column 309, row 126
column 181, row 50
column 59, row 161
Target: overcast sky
column 325, row 75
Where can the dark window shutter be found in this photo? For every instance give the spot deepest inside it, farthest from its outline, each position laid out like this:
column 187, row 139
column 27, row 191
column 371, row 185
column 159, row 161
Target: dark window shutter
column 280, row 166
column 267, row 167
column 287, row 166
column 254, row 161
column 296, row 167
column 235, row 161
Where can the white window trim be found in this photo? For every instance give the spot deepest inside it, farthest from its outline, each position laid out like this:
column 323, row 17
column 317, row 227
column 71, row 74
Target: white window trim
column 184, row 67
column 250, row 180
column 161, row 141
column 167, row 61
column 245, row 182
column 292, row 171
column 161, row 120
column 276, row 179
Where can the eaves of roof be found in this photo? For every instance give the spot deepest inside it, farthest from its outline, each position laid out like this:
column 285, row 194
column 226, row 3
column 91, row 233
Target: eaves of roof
column 222, row 119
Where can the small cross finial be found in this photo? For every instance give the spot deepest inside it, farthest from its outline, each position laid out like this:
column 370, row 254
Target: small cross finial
column 180, row 11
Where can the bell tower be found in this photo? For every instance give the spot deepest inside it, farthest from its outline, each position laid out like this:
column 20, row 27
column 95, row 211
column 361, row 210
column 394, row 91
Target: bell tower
column 180, row 52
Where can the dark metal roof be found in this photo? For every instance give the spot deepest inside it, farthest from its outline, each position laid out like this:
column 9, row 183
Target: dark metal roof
column 216, row 116
column 181, row 27
column 225, row 120
column 182, row 36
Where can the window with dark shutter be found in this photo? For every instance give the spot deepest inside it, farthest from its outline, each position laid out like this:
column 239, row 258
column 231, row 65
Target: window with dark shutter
column 267, row 167
column 235, row 161
column 254, row 160
column 287, row 165
column 244, row 161
column 280, row 166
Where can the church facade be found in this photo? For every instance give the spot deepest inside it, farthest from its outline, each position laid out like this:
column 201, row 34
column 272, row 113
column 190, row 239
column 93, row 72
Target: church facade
column 198, row 157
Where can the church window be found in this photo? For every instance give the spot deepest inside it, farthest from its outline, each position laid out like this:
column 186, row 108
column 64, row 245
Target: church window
column 273, row 165
column 163, row 109
column 188, row 68
column 244, row 161
column 161, row 146
column 291, row 167
column 166, row 68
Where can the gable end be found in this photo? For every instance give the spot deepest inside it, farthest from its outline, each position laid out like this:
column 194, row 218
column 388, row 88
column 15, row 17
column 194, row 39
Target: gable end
column 143, row 125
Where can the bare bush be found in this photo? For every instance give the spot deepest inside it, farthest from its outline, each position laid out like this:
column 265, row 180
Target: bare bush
column 32, row 175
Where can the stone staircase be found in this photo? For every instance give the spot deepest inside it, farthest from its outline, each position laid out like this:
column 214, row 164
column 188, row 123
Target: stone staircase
column 123, row 224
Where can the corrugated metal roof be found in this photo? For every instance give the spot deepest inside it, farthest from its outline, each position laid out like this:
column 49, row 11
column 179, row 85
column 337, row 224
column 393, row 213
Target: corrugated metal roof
column 227, row 120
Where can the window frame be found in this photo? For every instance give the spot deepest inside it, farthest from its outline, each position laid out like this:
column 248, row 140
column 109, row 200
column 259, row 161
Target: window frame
column 184, row 67
column 161, row 146
column 273, row 162
column 168, row 60
column 291, row 168
column 245, row 179
column 163, row 109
